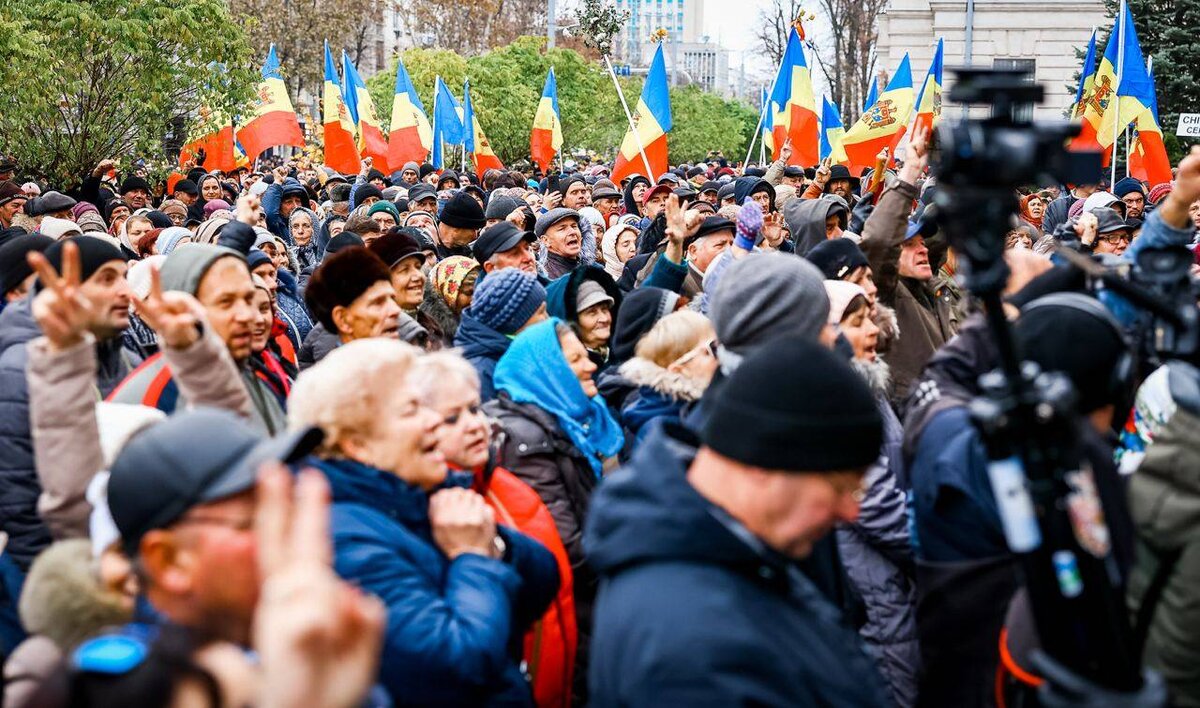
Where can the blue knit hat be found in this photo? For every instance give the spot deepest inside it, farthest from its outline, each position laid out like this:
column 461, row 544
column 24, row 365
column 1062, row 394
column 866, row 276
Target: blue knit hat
column 1127, row 185
column 505, row 300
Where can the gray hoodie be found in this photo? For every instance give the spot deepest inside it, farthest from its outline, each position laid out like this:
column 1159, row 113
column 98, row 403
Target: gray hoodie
column 805, row 219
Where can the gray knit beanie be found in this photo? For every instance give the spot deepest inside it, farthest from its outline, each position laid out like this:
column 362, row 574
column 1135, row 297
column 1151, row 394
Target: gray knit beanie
column 765, row 296
column 185, row 267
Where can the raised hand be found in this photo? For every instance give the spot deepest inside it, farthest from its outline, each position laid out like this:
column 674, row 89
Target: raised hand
column 824, row 170
column 317, row 636
column 104, row 167
column 1086, row 228
column 785, row 152
column 1174, row 208
column 249, row 209
column 516, row 217
column 917, row 157
column 61, row 309
column 552, row 200
column 177, row 316
column 772, row 230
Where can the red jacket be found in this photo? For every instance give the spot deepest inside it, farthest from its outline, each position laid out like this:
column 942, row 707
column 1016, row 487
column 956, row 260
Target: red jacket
column 551, row 642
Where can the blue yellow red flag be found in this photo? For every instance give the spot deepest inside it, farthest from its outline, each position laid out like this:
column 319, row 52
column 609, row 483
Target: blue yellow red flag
column 1148, row 160
column 447, row 121
column 371, row 142
column 768, row 120
column 832, row 133
column 274, row 121
column 476, row 142
column 411, row 136
column 546, row 138
column 214, row 135
column 929, row 102
column 884, row 123
column 1101, row 105
column 341, row 151
column 793, row 94
column 872, row 95
column 652, row 121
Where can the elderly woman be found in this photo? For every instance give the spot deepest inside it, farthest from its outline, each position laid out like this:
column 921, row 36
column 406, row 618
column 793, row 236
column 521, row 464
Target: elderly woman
column 303, row 224
column 618, row 245
column 559, row 436
column 876, row 549
column 672, row 366
column 460, row 590
column 448, row 292
column 450, row 386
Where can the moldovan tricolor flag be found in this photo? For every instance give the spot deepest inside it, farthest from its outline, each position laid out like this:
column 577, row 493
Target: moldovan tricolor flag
column 476, row 142
column 872, row 95
column 1101, row 106
column 274, row 121
column 929, row 103
column 341, row 152
column 447, row 121
column 768, row 119
column 793, row 94
column 652, row 120
column 883, row 124
column 1083, row 98
column 214, row 135
column 546, row 138
column 411, row 137
column 371, row 142
column 832, row 133
column 1136, row 94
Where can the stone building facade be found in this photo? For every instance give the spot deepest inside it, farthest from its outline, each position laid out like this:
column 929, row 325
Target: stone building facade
column 1039, row 34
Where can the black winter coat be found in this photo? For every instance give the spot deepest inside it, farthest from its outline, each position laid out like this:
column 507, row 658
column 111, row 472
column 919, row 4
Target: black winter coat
column 696, row 611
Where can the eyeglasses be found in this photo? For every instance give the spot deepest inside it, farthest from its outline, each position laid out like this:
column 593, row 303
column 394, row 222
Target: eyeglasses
column 709, row 348
column 116, row 653
column 1116, row 238
column 235, row 524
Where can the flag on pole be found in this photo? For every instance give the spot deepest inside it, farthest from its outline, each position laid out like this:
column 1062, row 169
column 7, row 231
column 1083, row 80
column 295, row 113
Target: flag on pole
column 832, row 133
column 546, row 138
column 884, row 123
column 341, row 152
column 793, row 95
column 929, row 102
column 872, row 95
column 214, row 135
column 1148, row 159
column 1084, row 98
column 411, row 136
column 476, row 142
column 652, row 121
column 447, row 121
column 240, row 158
column 1101, row 108
column 768, row 115
column 371, row 142
column 274, row 121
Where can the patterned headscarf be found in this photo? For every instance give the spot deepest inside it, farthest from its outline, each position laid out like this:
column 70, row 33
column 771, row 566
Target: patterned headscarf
column 449, row 274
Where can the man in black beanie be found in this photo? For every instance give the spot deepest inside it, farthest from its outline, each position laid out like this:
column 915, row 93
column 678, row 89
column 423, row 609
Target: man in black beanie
column 99, row 280
column 16, row 275
column 459, row 226
column 136, row 192
column 696, row 541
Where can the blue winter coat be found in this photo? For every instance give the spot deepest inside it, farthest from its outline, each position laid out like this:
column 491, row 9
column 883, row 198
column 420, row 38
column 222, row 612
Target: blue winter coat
column 454, row 628
column 482, row 346
column 695, row 611
column 291, row 305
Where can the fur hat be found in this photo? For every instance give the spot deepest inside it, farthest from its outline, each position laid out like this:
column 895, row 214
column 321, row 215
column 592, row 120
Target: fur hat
column 340, row 279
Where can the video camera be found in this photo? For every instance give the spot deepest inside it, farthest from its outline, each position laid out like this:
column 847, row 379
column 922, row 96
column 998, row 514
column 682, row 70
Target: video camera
column 1027, row 417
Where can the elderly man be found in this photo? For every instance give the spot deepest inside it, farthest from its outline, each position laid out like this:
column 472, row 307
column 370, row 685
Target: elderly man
column 558, row 229
column 352, row 297
column 459, row 225
column 12, row 201
column 696, row 541
column 504, row 245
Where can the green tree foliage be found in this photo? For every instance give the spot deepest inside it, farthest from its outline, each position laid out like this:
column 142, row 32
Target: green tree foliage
column 113, row 79
column 1167, row 30
column 506, row 85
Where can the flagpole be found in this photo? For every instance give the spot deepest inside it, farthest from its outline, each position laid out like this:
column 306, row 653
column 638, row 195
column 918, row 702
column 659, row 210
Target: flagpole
column 757, row 130
column 629, row 118
column 1117, row 95
column 433, row 123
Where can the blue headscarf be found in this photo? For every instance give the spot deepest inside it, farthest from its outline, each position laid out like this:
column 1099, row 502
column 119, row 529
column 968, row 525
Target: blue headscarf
column 534, row 370
column 169, row 239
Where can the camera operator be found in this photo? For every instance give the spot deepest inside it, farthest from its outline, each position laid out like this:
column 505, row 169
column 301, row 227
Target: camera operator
column 1163, row 592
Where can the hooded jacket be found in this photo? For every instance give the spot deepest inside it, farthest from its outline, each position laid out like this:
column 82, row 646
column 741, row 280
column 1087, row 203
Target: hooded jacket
column 562, row 297
column 482, row 346
column 272, row 200
column 697, row 611
column 631, row 205
column 453, row 625
column 19, row 486
column 290, row 304
column 745, row 186
column 1164, row 497
column 805, row 220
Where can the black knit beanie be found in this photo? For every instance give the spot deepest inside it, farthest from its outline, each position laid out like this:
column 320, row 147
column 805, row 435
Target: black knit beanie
column 795, row 406
column 364, row 191
column 1074, row 334
column 463, row 212
column 93, row 253
column 14, row 268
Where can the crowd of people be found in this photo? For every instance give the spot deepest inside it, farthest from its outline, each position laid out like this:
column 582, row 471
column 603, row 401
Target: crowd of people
column 297, row 438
